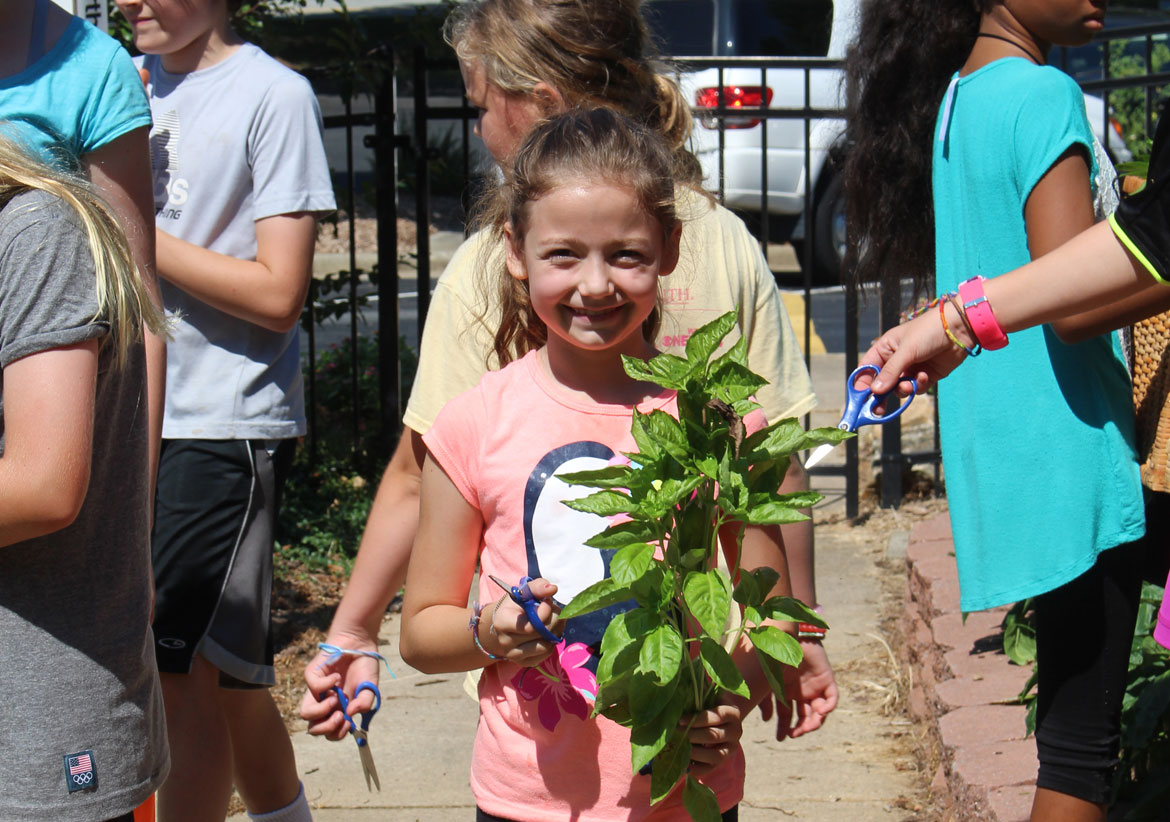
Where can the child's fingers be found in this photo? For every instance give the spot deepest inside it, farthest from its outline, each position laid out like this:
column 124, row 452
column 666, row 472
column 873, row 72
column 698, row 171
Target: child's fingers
column 324, row 716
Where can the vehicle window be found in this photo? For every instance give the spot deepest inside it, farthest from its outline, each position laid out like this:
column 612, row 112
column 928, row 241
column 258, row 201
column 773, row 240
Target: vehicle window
column 683, row 28
column 779, row 28
column 743, row 28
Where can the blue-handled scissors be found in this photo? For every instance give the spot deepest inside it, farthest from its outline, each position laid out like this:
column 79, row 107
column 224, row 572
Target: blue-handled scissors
column 522, row 595
column 361, row 734
column 859, row 405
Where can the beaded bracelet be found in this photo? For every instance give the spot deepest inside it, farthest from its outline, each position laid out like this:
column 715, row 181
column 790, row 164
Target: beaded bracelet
column 473, row 626
column 942, row 313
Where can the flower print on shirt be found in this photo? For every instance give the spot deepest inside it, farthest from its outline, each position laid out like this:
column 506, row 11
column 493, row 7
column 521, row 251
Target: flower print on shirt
column 562, row 684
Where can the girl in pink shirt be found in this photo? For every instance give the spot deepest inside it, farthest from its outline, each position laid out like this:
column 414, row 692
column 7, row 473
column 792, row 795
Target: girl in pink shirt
column 587, row 213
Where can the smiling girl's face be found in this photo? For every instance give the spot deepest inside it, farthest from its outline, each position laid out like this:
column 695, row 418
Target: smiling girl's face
column 592, row 256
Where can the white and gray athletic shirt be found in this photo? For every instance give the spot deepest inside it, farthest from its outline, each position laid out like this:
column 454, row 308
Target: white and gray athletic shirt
column 230, row 145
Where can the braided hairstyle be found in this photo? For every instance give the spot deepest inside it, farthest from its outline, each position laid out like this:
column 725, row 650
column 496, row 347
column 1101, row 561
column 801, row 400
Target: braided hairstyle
column 896, row 74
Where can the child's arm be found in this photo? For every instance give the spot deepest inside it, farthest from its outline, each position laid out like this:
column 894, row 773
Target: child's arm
column 435, row 614
column 268, row 291
column 378, row 573
column 48, row 440
column 121, row 171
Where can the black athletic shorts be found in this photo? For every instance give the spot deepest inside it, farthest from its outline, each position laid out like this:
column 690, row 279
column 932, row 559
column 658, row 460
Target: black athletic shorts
column 214, row 529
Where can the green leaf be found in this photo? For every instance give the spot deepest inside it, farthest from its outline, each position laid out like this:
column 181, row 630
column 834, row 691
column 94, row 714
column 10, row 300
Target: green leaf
column 755, row 585
column 663, row 431
column 667, row 370
column 800, row 499
column 648, row 697
column 704, row 341
column 599, row 595
column 603, row 503
column 782, row 439
column 626, row 629
column 612, row 476
column 614, row 690
column 792, row 610
column 700, row 801
column 631, row 563
column 734, row 382
column 771, row 513
column 647, row 739
column 662, row 653
column 720, row 667
column 737, row 354
column 622, row 534
column 708, row 596
column 777, row 644
column 774, row 672
column 669, row 765
column 672, row 492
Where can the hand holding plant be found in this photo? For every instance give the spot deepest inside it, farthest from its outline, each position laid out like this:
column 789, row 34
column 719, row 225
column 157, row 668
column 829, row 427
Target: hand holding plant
column 692, row 480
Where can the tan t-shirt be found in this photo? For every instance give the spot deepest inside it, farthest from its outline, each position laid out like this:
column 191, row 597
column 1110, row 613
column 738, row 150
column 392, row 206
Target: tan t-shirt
column 720, row 268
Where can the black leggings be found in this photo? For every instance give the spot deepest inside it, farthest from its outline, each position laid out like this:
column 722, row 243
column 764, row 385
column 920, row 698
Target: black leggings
column 729, row 815
column 1084, row 630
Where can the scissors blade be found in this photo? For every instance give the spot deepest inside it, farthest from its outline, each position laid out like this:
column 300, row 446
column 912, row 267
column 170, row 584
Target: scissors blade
column 368, row 769
column 818, row 454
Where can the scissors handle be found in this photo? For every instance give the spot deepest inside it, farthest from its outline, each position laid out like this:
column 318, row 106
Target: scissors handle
column 366, row 716
column 860, row 402
column 522, row 595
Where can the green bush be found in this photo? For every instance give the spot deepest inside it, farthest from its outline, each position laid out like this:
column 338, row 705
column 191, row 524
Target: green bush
column 328, row 494
column 1141, row 785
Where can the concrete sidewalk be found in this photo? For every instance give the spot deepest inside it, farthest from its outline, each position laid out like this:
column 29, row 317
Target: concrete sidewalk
column 859, row 766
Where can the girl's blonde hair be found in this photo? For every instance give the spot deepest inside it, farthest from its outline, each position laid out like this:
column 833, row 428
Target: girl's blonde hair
column 122, row 299
column 593, row 52
column 597, row 145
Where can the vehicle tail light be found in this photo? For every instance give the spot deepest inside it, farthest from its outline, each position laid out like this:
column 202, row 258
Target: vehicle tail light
column 1113, row 121
column 750, row 97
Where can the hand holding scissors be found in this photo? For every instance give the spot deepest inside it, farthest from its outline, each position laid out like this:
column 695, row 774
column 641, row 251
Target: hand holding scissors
column 859, row 409
column 522, row 595
column 361, row 734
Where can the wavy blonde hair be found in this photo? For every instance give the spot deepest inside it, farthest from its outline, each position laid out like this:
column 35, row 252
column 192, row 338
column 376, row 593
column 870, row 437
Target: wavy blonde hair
column 596, row 145
column 593, row 52
column 123, row 302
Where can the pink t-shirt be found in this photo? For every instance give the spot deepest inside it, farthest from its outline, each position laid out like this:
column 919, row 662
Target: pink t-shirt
column 538, row 756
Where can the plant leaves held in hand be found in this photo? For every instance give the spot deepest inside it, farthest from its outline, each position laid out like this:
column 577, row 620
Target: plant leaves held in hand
column 692, row 480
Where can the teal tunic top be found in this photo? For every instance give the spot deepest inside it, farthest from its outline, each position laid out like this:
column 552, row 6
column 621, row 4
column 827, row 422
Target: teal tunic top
column 1037, row 438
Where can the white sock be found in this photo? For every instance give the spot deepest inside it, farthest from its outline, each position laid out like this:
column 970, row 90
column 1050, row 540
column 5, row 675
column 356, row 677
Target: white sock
column 295, row 811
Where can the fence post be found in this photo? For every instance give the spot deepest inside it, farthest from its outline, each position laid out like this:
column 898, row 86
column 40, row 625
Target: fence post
column 422, row 177
column 386, row 176
column 892, row 460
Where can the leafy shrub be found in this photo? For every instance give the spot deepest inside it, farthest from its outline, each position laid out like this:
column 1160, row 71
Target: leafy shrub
column 327, row 496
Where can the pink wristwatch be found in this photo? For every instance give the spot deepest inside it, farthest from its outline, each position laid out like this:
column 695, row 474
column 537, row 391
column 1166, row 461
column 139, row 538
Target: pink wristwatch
column 985, row 326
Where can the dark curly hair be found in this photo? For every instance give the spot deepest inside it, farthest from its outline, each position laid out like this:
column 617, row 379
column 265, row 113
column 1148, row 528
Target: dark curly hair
column 896, row 74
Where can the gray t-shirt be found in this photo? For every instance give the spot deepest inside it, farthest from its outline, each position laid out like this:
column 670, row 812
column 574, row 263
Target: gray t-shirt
column 232, row 144
column 77, row 669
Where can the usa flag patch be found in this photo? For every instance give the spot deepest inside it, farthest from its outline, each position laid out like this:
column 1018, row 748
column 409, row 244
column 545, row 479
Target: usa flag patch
column 80, row 773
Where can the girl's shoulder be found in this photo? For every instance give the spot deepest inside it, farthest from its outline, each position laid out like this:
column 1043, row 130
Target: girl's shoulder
column 1018, row 78
column 37, row 211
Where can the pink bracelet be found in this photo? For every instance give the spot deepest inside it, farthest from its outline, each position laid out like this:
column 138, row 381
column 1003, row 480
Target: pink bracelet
column 984, row 325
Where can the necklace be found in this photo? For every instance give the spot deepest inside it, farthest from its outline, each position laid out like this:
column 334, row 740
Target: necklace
column 1011, row 42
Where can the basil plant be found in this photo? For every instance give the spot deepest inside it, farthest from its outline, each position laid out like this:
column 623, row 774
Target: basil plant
column 666, row 657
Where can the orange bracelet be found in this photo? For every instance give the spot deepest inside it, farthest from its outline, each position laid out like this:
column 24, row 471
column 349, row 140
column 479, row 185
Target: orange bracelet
column 942, row 313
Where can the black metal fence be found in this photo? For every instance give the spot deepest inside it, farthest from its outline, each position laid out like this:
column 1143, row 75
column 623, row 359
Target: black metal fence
column 395, row 148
